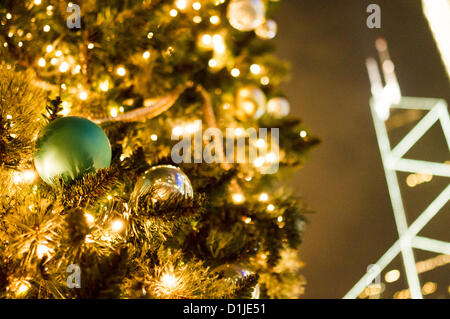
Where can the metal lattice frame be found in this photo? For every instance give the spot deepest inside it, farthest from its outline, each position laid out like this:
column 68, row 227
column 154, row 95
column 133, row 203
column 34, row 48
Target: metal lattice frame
column 394, row 162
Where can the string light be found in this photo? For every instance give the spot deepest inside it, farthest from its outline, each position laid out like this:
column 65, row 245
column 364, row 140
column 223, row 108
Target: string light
column 121, row 71
column 8, row 16
column 49, row 48
column 196, row 5
column 265, row 80
column 58, row 53
column 212, row 63
column 89, row 218
column 303, row 134
column 146, row 55
column 197, row 19
column 37, row 2
column 214, row 20
column 154, row 137
column 392, row 275
column 117, row 225
column 270, row 208
column 177, row 131
column 263, row 197
column 235, row 72
column 113, row 113
column 43, row 250
column 150, row 35
column 83, row 95
column 46, row 28
column 238, row 198
column 181, row 4
column 169, row 283
column 255, row 69
column 41, row 62
column 53, row 61
column 207, row 39
column 90, row 46
column 173, row 13
column 104, row 86
column 64, row 67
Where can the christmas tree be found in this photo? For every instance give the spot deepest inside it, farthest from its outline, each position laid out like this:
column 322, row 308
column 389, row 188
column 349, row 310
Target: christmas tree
column 115, row 179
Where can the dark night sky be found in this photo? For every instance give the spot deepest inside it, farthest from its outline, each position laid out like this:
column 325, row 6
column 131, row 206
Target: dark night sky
column 327, row 42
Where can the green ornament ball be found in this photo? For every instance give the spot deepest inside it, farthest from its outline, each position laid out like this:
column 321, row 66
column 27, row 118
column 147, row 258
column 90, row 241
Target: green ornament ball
column 69, row 147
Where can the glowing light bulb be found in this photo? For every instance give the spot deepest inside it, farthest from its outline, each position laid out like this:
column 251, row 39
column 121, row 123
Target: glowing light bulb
column 146, row 55
column 197, row 19
column 41, row 62
column 238, row 198
column 303, row 134
column 113, row 112
column 104, row 86
column 206, row 39
column 117, row 226
column 197, row 5
column 49, row 48
column 8, row 16
column 255, row 69
column 173, row 13
column 89, row 218
column 181, row 4
column 150, row 35
column 154, row 137
column 64, row 67
column 169, row 282
column 58, row 53
column 177, row 131
column 260, row 143
column 265, row 80
column 263, row 197
column 83, row 95
column 258, row 162
column 46, row 28
column 214, row 20
column 212, row 63
column 53, row 61
column 392, row 275
column 43, row 250
column 235, row 72
column 37, row 2
column 270, row 208
column 121, row 71
column 90, row 46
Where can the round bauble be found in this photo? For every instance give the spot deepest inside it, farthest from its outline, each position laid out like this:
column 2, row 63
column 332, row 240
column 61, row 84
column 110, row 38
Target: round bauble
column 246, row 15
column 267, row 30
column 235, row 272
column 69, row 147
column 163, row 182
column 278, row 107
column 250, row 102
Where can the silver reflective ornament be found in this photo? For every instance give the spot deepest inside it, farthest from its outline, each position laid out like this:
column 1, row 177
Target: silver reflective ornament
column 163, row 181
column 246, row 15
column 250, row 102
column 267, row 30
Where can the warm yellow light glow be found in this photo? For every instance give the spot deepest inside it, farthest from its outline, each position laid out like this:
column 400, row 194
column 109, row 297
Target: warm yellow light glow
column 207, row 39
column 121, row 71
column 270, row 208
column 104, row 86
column 64, row 67
column 212, row 63
column 8, row 16
column 260, row 143
column 238, row 198
column 89, row 218
column 303, row 134
column 214, row 20
column 41, row 62
column 83, row 95
column 49, row 48
column 53, row 61
column 117, row 225
column 255, row 69
column 90, row 46
column 173, row 13
column 280, row 219
column 150, row 35
column 177, row 131
column 58, row 53
column 263, row 197
column 247, row 220
column 113, row 113
column 197, row 19
column 20, row 44
column 154, row 137
column 37, row 2
column 265, row 80
column 43, row 250
column 21, row 287
column 196, row 5
column 46, row 28
column 146, row 55
column 235, row 72
column 258, row 162
column 392, row 275
column 169, row 282
column 181, row 4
